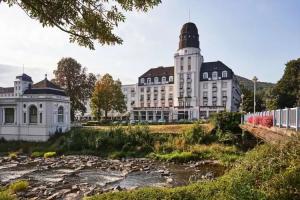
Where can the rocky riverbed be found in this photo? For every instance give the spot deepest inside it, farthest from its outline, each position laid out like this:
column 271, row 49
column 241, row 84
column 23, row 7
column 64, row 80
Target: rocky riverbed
column 73, row 177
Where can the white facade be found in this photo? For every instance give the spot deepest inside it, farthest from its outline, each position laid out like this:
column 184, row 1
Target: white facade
column 33, row 112
column 192, row 89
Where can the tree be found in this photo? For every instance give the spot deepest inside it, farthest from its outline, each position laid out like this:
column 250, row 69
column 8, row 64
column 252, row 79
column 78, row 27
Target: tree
column 288, row 87
column 107, row 96
column 248, row 101
column 271, row 99
column 84, row 20
column 77, row 83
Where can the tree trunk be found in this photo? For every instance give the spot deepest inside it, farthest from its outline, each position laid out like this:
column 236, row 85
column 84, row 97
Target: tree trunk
column 105, row 115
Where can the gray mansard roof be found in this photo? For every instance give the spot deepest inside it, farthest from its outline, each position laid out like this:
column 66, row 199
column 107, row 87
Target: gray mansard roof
column 24, row 77
column 157, row 72
column 45, row 87
column 217, row 66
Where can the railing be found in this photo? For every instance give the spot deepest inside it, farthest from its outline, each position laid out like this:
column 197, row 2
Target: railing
column 287, row 118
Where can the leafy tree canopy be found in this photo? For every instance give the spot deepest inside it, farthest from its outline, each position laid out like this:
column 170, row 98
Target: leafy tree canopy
column 107, row 96
column 84, row 20
column 78, row 85
column 288, row 87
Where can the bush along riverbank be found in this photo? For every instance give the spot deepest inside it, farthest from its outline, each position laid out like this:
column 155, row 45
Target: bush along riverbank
column 266, row 172
column 195, row 143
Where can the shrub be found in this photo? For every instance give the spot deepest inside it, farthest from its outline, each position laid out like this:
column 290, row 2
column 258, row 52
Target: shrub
column 261, row 120
column 37, row 154
column 226, row 121
column 5, row 195
column 195, row 134
column 18, row 186
column 50, row 154
column 13, row 155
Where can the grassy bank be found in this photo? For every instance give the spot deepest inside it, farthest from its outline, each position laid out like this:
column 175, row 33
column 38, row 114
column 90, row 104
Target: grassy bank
column 266, row 172
column 136, row 141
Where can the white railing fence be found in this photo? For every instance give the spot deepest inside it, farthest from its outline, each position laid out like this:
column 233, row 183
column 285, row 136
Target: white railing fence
column 287, row 118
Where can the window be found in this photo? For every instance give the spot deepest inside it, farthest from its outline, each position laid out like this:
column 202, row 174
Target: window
column 60, row 114
column 215, row 75
column 163, row 96
column 188, row 76
column 181, row 68
column 189, row 93
column 148, row 89
column 155, row 80
column 189, row 85
column 189, row 63
column 224, row 85
column 224, row 93
column 41, row 105
column 155, row 97
column 214, row 94
column 148, row 80
column 171, row 78
column 24, row 106
column 32, row 114
column 41, row 118
column 180, row 94
column 205, row 103
column 224, row 103
column 205, row 75
column 148, row 105
column 9, row 115
column 189, row 67
column 142, row 89
column 155, row 89
column 142, row 80
column 24, row 117
column 181, row 61
column 142, row 97
column 170, row 96
column 163, row 79
column 205, row 85
column 205, row 94
column 170, row 88
column 142, row 105
column 181, row 85
column 181, row 76
column 224, row 74
column 148, row 97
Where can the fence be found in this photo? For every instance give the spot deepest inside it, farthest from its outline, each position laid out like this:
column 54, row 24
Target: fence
column 287, row 118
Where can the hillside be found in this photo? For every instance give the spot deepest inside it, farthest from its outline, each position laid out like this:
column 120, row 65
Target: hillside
column 248, row 84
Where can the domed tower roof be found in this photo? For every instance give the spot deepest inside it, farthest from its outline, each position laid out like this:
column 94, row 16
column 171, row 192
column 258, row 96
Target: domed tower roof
column 189, row 36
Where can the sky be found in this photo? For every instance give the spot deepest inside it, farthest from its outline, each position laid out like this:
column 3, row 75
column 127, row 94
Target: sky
column 252, row 37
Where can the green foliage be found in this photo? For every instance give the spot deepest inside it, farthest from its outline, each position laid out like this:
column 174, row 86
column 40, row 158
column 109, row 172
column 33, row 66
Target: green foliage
column 18, row 186
column 107, row 96
column 195, row 134
column 49, row 154
column 37, row 154
column 5, row 195
column 78, row 85
column 13, row 155
column 226, row 121
column 287, row 88
column 84, row 21
column 267, row 172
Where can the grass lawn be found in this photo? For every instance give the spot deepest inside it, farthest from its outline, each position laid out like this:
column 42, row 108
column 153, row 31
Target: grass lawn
column 165, row 128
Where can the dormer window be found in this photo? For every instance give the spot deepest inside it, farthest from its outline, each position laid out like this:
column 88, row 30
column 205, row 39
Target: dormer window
column 142, row 80
column 215, row 75
column 224, row 74
column 163, row 79
column 148, row 80
column 155, row 80
column 171, row 78
column 205, row 75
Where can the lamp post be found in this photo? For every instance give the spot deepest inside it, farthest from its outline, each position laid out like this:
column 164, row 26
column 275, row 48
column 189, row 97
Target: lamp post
column 242, row 107
column 254, row 94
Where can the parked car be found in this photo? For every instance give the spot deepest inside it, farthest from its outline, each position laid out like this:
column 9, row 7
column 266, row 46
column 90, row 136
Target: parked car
column 132, row 122
column 124, row 122
column 161, row 121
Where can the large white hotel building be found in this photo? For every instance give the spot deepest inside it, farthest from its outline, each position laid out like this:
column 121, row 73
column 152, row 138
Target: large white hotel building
column 191, row 89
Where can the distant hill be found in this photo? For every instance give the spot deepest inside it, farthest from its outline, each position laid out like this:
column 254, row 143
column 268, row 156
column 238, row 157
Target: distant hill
column 248, row 84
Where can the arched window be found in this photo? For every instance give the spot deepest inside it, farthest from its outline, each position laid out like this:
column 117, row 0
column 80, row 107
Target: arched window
column 205, row 75
column 215, row 75
column 224, row 74
column 32, row 114
column 60, row 114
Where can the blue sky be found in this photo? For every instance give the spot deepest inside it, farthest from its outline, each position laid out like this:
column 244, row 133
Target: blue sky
column 252, row 37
